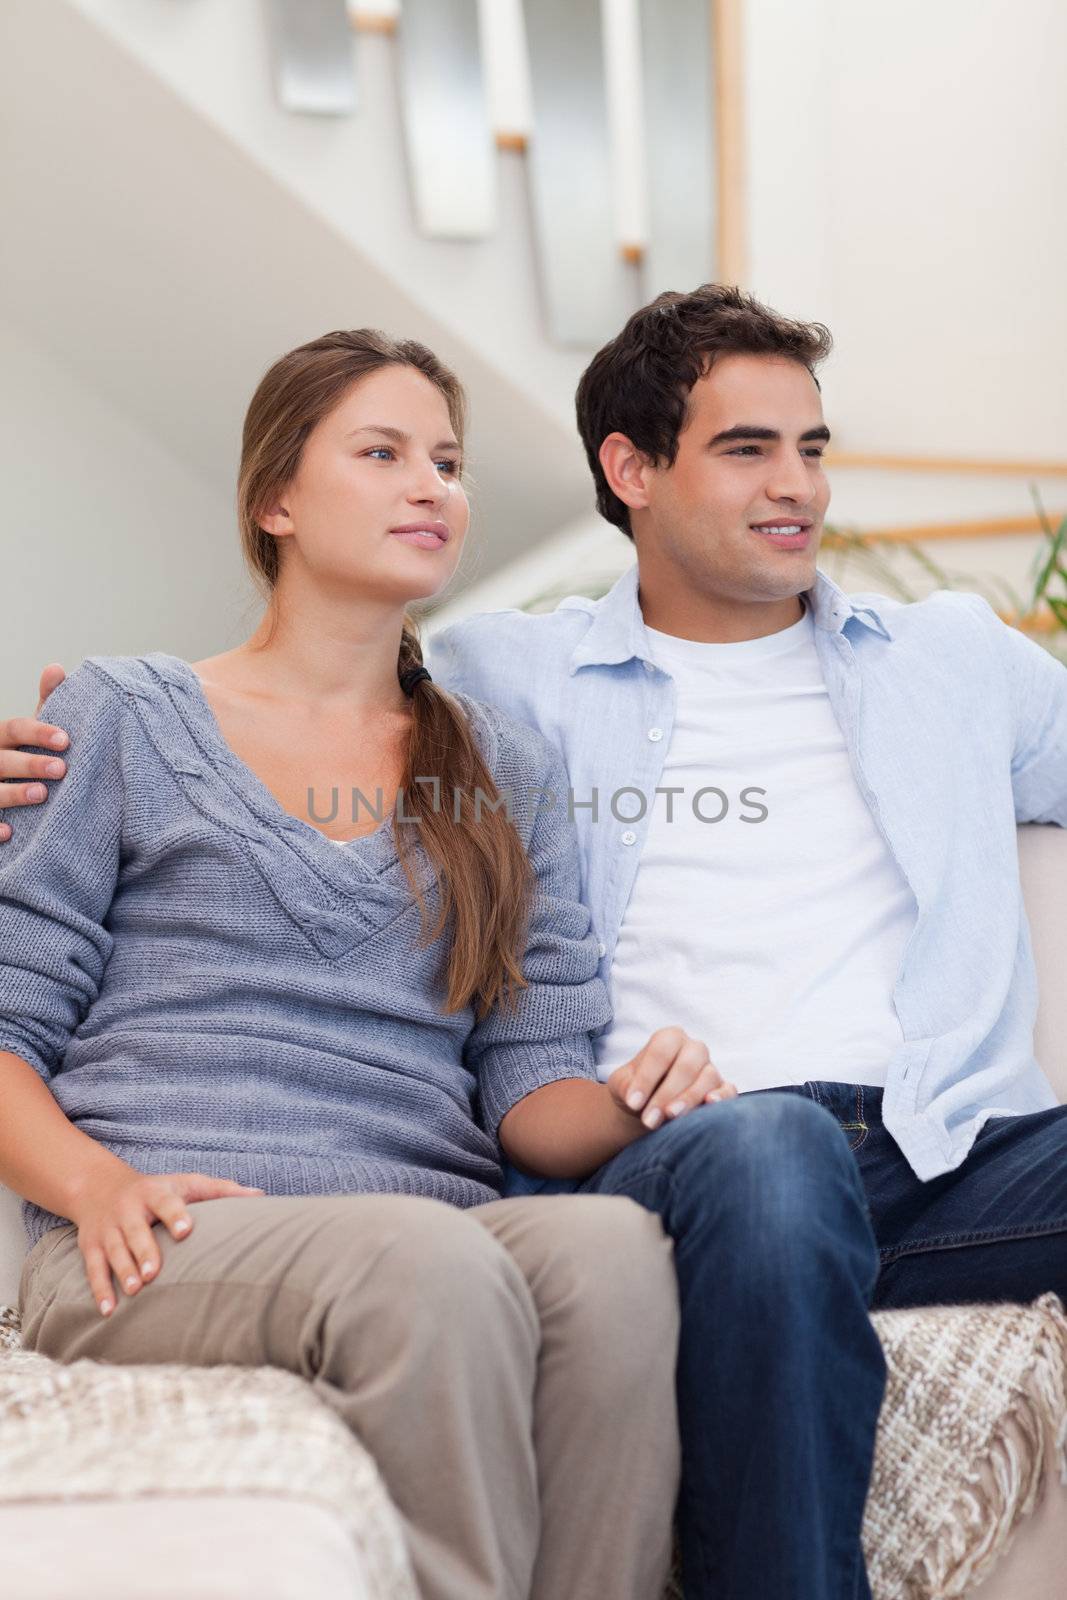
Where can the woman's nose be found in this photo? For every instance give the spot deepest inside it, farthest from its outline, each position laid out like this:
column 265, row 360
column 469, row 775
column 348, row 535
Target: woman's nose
column 429, row 486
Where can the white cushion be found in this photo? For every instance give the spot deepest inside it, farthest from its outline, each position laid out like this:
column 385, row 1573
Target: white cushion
column 170, row 1547
column 1043, row 870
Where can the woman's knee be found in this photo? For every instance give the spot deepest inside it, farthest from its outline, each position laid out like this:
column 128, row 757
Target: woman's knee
column 426, row 1266
column 611, row 1267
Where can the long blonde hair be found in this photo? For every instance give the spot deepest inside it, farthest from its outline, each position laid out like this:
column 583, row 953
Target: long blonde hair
column 483, row 872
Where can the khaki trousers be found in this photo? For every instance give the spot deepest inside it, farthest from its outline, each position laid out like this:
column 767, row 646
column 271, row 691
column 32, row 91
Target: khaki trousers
column 510, row 1367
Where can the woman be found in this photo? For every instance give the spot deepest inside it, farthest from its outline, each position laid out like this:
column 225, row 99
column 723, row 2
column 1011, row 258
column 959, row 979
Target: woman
column 330, row 1028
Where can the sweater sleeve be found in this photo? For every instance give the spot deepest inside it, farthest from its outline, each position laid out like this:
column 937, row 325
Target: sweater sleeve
column 547, row 1035
column 58, row 875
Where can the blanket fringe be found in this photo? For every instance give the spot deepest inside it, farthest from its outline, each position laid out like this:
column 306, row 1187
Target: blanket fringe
column 980, row 1526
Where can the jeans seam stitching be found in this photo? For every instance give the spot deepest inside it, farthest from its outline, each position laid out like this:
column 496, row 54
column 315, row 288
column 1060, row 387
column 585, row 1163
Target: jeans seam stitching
column 952, row 1241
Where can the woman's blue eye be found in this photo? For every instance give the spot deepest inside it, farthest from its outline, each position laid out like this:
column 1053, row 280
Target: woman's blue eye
column 448, row 464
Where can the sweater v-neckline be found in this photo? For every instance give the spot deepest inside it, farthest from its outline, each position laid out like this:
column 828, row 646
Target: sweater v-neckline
column 376, row 850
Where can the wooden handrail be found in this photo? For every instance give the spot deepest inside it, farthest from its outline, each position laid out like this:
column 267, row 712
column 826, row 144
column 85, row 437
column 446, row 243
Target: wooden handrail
column 727, row 36
column 372, row 22
column 984, row 528
column 995, row 468
column 1033, row 621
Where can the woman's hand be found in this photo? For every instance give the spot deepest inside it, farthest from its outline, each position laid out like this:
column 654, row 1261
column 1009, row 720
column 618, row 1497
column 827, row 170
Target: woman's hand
column 669, row 1076
column 26, row 771
column 115, row 1216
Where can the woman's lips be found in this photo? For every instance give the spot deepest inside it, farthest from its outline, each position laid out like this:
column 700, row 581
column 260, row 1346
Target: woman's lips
column 426, row 535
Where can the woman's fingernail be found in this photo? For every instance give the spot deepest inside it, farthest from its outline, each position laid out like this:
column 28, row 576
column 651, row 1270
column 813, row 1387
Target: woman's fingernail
column 181, row 1227
column 36, row 791
column 676, row 1109
column 635, row 1099
column 147, row 1269
column 105, row 1306
column 653, row 1118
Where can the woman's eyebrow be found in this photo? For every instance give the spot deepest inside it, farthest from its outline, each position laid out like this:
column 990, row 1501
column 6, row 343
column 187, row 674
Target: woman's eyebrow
column 398, row 435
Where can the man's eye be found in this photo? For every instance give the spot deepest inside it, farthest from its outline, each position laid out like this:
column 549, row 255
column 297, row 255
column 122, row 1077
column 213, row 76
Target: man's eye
column 816, row 454
column 744, row 450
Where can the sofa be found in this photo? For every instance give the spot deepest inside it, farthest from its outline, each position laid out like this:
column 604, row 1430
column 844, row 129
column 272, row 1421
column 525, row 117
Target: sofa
column 156, row 1483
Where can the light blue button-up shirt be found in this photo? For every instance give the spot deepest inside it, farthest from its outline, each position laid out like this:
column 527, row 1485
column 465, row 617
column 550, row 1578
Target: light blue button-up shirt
column 956, row 728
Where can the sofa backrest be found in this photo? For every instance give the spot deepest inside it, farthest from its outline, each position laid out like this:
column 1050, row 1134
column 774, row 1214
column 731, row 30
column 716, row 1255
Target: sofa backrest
column 1043, row 869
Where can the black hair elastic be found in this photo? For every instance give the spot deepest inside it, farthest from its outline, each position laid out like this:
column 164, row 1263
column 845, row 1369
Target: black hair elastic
column 411, row 677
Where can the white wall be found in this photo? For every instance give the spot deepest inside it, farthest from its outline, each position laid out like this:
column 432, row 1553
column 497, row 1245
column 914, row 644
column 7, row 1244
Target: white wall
column 351, row 172
column 109, row 545
column 907, row 169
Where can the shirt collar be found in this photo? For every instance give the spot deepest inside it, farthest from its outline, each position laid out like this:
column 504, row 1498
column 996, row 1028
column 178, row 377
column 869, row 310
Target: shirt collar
column 618, row 634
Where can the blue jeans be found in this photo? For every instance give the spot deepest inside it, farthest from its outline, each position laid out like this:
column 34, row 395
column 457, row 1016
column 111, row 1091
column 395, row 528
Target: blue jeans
column 793, row 1214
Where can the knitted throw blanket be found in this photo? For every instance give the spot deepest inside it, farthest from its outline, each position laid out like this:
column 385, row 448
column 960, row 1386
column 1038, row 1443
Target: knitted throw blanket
column 974, row 1396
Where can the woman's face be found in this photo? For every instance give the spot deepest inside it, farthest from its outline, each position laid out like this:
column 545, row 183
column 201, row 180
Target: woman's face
column 377, row 501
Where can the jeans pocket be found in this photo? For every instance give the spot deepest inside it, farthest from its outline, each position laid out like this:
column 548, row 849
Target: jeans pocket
column 856, row 1128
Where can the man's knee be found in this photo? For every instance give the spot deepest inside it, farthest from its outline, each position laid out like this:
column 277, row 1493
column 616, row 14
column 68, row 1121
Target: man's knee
column 763, row 1142
column 774, row 1170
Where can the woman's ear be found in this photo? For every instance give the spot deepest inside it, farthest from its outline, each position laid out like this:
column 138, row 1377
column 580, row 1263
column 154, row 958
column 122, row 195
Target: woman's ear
column 626, row 470
column 276, row 519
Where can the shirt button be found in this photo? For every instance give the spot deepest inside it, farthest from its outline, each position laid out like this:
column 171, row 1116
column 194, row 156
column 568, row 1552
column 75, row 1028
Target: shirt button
column 655, row 733
column 602, row 949
column 629, row 836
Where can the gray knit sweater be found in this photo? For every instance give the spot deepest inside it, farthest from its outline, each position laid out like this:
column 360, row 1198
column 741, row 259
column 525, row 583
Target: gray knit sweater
column 207, row 984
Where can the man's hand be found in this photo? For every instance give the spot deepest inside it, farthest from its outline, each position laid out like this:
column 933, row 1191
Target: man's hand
column 17, row 770
column 671, row 1075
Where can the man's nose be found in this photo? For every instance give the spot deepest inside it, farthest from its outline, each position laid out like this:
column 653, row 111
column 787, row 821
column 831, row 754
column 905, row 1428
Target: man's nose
column 790, row 481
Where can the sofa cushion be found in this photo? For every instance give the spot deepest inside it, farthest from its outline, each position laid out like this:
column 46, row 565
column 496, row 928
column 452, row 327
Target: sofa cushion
column 90, row 1431
column 170, row 1547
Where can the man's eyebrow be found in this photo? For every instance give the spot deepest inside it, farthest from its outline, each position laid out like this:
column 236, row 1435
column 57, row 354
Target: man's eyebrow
column 399, row 436
column 746, row 430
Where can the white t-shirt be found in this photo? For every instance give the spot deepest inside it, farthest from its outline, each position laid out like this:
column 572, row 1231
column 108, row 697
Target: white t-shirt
column 777, row 939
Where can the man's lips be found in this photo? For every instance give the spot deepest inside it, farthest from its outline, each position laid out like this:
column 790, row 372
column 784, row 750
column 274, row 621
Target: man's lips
column 783, row 522
column 785, row 533
column 425, row 535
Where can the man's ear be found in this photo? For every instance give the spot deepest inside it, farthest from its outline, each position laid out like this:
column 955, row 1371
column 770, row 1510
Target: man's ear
column 626, row 470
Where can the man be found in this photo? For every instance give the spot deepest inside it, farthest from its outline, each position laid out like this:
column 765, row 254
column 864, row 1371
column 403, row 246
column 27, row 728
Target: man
column 797, row 815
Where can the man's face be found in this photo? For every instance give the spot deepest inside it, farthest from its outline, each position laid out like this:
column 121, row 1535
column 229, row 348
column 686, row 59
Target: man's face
column 749, row 458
